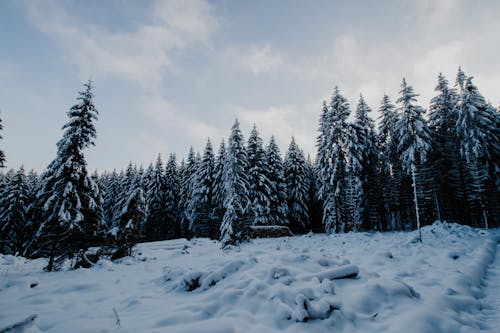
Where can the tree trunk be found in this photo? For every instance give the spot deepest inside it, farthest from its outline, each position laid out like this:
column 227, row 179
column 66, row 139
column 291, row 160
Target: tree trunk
column 414, row 179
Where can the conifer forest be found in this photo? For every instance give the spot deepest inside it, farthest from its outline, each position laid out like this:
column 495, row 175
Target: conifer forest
column 414, row 165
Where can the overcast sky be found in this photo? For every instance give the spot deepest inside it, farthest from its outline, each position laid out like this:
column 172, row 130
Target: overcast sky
column 169, row 74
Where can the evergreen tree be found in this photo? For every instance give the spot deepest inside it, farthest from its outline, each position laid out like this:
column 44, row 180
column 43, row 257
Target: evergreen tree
column 414, row 139
column 448, row 188
column 131, row 218
column 278, row 208
column 2, row 154
column 235, row 225
column 201, row 203
column 259, row 189
column 187, row 178
column 479, row 144
column 112, row 191
column 68, row 195
column 172, row 185
column 155, row 202
column 13, row 216
column 218, row 198
column 331, row 163
column 389, row 163
column 297, row 186
column 364, row 144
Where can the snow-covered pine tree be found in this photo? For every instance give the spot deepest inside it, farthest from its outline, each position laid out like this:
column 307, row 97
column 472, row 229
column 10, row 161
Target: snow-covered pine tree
column 155, row 202
column 444, row 155
column 131, row 218
column 235, row 225
column 218, row 198
column 112, row 191
column 278, row 208
column 479, row 145
column 259, row 189
column 68, row 194
column 2, row 154
column 13, row 216
column 187, row 173
column 201, row 203
column 414, row 140
column 172, row 185
column 366, row 139
column 314, row 204
column 331, row 164
column 297, row 185
column 354, row 190
column 390, row 165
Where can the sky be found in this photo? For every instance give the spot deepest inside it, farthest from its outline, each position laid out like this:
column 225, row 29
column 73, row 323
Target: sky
column 170, row 74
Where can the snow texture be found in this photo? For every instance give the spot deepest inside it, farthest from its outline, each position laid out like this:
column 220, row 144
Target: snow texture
column 355, row 282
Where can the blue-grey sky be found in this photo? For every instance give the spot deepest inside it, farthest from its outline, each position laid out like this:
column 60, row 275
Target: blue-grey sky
column 169, row 74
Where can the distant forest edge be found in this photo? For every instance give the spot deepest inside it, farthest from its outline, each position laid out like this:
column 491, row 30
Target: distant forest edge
column 418, row 166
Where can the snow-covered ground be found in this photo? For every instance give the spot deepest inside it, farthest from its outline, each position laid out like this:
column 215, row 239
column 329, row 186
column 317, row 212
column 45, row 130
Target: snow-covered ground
column 450, row 283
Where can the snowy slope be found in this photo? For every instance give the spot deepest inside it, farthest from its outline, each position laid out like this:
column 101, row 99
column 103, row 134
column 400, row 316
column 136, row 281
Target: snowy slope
column 271, row 285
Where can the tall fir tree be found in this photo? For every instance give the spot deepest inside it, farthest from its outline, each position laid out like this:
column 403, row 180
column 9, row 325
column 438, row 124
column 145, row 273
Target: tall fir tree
column 155, row 202
column 297, row 186
column 414, row 140
column 445, row 153
column 187, row 173
column 172, row 227
column 13, row 215
column 390, row 169
column 235, row 225
column 479, row 146
column 366, row 136
column 331, row 159
column 68, row 194
column 2, row 154
column 218, row 198
column 278, row 208
column 201, row 203
column 259, row 190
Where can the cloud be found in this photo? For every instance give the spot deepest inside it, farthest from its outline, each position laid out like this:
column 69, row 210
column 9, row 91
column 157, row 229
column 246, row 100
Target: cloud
column 255, row 59
column 142, row 55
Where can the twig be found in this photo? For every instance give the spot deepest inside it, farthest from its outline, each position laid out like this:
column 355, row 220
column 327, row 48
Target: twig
column 117, row 318
column 22, row 324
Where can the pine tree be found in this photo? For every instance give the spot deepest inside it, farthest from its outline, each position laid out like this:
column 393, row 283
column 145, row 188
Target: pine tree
column 449, row 191
column 297, row 186
column 389, row 164
column 218, row 198
column 131, row 218
column 259, row 189
column 155, row 202
column 2, row 154
column 414, row 139
column 366, row 174
column 187, row 178
column 172, row 186
column 278, row 208
column 68, row 194
column 112, row 191
column 201, row 203
column 13, row 216
column 235, row 225
column 331, row 164
column 479, row 144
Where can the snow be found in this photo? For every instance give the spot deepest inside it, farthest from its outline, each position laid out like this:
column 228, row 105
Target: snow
column 356, row 282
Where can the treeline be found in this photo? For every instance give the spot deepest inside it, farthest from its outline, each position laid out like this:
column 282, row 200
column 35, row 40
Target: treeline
column 418, row 166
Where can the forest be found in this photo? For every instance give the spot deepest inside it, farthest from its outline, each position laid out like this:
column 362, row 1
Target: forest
column 411, row 168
